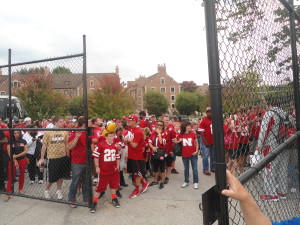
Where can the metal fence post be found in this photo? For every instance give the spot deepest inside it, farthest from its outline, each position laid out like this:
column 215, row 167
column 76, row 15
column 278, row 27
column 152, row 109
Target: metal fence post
column 86, row 117
column 216, row 101
column 11, row 165
column 295, row 67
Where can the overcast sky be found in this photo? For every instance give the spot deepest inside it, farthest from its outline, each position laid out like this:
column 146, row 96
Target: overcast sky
column 136, row 35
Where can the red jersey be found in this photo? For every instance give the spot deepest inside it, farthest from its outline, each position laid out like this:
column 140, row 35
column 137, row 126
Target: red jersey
column 171, row 134
column 78, row 153
column 152, row 126
column 155, row 141
column 143, row 123
column 205, row 127
column 256, row 126
column 188, row 144
column 138, row 137
column 108, row 156
column 96, row 134
column 231, row 139
column 244, row 135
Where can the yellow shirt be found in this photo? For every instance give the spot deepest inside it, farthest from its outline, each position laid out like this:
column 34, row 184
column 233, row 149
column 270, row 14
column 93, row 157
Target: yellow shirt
column 55, row 141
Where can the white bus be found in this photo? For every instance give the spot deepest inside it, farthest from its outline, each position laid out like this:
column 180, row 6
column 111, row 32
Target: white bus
column 18, row 110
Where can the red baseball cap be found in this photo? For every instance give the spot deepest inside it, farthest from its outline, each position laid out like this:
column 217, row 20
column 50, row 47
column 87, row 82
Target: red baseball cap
column 133, row 117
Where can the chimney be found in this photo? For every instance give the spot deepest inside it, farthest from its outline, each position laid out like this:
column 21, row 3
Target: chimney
column 162, row 69
column 117, row 70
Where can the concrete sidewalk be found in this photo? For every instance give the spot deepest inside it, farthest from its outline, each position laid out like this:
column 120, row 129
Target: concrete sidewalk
column 171, row 205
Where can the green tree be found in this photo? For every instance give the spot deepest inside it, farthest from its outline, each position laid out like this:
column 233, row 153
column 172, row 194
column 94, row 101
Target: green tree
column 156, row 103
column 61, row 70
column 241, row 90
column 111, row 100
column 39, row 99
column 33, row 70
column 202, row 102
column 187, row 103
column 76, row 106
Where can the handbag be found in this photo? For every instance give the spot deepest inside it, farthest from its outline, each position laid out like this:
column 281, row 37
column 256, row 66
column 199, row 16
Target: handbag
column 160, row 154
column 177, row 149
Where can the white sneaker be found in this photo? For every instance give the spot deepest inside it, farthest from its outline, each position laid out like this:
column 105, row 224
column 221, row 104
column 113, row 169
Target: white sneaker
column 32, row 182
column 294, row 190
column 41, row 181
column 47, row 194
column 196, row 185
column 59, row 194
column 184, row 185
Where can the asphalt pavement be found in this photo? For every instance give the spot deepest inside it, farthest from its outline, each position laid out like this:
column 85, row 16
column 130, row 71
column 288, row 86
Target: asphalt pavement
column 171, row 205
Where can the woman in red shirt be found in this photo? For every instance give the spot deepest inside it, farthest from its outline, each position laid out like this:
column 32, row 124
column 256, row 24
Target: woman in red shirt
column 190, row 150
column 157, row 142
column 231, row 144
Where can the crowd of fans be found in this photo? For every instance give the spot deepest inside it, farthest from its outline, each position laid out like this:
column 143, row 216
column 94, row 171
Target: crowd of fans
column 142, row 146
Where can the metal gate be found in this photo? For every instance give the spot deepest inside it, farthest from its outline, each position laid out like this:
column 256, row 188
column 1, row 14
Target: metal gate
column 253, row 64
column 39, row 90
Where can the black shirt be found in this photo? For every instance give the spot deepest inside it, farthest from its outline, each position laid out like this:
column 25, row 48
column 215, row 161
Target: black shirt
column 17, row 147
column 2, row 136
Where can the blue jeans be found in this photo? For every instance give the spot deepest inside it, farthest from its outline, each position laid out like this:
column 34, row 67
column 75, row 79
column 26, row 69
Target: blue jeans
column 206, row 152
column 186, row 164
column 293, row 175
column 78, row 171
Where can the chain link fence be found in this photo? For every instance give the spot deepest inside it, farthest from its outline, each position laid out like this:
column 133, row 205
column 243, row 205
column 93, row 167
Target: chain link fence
column 257, row 88
column 43, row 110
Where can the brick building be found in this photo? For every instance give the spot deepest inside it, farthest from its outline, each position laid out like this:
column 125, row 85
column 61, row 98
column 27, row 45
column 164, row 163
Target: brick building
column 69, row 84
column 203, row 89
column 160, row 81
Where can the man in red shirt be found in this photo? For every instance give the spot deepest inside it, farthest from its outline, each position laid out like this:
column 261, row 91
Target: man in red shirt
column 136, row 163
column 77, row 144
column 144, row 122
column 107, row 163
column 153, row 123
column 205, row 129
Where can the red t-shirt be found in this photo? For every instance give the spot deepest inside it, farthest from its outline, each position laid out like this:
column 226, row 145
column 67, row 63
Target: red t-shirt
column 170, row 136
column 138, row 137
column 205, row 127
column 97, row 134
column 78, row 153
column 108, row 156
column 256, row 126
column 155, row 142
column 244, row 135
column 233, row 138
column 153, row 125
column 188, row 144
column 143, row 123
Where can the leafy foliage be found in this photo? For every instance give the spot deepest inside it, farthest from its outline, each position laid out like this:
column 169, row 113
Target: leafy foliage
column 187, row 103
column 33, row 70
column 111, row 100
column 75, row 106
column 156, row 103
column 39, row 99
column 61, row 70
column 188, row 86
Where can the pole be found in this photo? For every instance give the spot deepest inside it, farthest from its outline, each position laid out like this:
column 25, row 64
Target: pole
column 216, row 106
column 295, row 68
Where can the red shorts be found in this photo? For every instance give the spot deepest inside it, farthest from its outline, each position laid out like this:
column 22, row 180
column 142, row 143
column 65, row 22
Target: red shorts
column 113, row 180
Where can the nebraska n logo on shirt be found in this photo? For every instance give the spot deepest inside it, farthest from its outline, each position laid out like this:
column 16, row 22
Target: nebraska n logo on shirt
column 187, row 142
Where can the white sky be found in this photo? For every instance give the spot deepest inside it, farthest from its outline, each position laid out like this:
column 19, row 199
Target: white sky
column 136, row 35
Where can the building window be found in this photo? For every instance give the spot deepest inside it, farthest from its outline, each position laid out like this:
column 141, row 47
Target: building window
column 67, row 82
column 91, row 83
column 2, row 93
column 163, row 89
column 162, row 80
column 66, row 92
column 173, row 106
column 172, row 89
column 172, row 97
column 16, row 84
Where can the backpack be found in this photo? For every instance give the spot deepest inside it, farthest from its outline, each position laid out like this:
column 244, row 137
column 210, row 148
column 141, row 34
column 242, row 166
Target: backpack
column 286, row 128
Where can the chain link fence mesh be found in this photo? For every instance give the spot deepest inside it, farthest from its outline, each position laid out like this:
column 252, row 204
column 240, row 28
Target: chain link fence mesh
column 256, row 71
column 42, row 90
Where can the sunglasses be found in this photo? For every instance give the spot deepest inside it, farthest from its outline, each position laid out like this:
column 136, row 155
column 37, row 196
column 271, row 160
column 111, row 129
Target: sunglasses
column 160, row 125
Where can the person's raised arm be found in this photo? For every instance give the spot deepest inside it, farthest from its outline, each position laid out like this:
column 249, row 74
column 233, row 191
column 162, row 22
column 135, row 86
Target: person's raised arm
column 249, row 208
